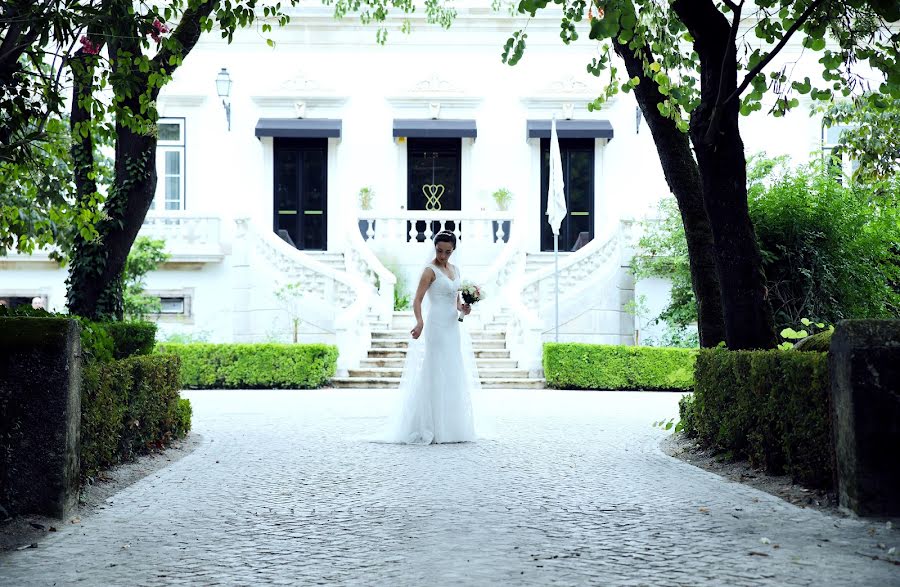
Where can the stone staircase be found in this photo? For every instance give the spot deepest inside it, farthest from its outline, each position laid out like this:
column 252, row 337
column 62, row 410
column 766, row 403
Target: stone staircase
column 384, row 364
column 333, row 260
column 538, row 261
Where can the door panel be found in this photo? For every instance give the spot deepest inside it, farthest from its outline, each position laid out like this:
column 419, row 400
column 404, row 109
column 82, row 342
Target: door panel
column 301, row 197
column 577, row 228
column 434, row 172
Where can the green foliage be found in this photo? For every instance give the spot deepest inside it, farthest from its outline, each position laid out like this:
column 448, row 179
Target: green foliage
column 366, row 194
column 503, row 197
column 819, row 342
column 828, row 252
column 132, row 338
column 254, row 366
column 290, row 297
column 145, row 256
column 590, row 366
column 871, row 138
column 402, row 297
column 771, row 407
column 663, row 253
column 854, row 36
column 128, row 407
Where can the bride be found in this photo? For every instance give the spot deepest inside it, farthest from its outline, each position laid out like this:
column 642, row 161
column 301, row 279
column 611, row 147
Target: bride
column 440, row 370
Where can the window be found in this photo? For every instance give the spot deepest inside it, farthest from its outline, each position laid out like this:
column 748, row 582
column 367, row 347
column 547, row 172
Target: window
column 169, row 165
column 841, row 165
column 175, row 305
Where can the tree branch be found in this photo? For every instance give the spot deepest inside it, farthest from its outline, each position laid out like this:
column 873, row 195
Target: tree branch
column 186, row 34
column 748, row 79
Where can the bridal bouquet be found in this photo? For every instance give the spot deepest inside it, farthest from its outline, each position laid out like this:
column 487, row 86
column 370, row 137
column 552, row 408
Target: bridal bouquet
column 471, row 293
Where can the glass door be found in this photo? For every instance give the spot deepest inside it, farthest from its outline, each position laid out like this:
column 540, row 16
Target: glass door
column 577, row 228
column 301, row 192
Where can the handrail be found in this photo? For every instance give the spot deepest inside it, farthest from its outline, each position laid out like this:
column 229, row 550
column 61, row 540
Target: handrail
column 367, row 260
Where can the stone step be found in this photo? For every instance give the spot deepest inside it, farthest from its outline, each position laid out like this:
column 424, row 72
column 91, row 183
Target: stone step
column 394, row 383
column 397, row 363
column 399, row 343
column 485, row 374
column 404, row 334
column 401, row 352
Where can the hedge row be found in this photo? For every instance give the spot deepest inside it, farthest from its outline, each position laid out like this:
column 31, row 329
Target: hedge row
column 592, row 366
column 129, row 406
column 771, row 407
column 253, row 366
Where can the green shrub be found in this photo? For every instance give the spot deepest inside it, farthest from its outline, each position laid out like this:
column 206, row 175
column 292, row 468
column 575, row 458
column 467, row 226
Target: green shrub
column 131, row 338
column 819, row 342
column 687, row 416
column 254, row 366
column 129, row 406
column 592, row 366
column 771, row 407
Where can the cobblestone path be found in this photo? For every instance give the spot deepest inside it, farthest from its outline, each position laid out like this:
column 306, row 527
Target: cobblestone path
column 285, row 490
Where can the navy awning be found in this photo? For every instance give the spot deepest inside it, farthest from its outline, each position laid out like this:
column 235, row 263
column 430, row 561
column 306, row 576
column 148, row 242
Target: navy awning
column 439, row 129
column 570, row 129
column 299, row 128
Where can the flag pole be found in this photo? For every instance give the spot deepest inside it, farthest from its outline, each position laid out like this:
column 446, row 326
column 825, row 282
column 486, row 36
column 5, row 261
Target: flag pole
column 556, row 279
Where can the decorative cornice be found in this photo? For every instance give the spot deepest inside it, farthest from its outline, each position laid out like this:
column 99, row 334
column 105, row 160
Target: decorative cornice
column 299, row 92
column 567, row 93
column 435, row 90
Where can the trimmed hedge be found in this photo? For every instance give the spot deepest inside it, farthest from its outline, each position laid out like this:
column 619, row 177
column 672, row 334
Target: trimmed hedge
column 131, row 338
column 771, row 407
column 593, row 366
column 129, row 406
column 254, row 366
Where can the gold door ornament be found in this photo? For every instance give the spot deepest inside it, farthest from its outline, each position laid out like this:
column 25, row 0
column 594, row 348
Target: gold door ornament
column 433, row 195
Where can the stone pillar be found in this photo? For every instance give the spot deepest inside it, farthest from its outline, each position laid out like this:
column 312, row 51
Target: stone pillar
column 40, row 415
column 864, row 364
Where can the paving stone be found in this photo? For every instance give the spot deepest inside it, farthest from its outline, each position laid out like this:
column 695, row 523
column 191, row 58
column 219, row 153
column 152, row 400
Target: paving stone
column 574, row 490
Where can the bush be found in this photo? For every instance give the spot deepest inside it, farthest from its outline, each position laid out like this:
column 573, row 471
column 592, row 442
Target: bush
column 253, row 366
column 129, row 406
column 819, row 342
column 131, row 338
column 591, row 366
column 771, row 407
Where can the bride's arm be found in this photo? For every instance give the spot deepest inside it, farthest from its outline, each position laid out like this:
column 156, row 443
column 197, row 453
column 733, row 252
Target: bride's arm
column 425, row 281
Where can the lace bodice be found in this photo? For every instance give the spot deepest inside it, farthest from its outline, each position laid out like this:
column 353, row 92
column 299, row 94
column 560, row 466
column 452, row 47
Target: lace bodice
column 443, row 289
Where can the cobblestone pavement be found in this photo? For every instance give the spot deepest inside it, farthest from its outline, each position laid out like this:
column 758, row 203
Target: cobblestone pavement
column 574, row 490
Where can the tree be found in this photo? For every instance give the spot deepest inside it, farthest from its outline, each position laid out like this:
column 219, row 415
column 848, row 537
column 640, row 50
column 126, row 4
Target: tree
column 828, row 248
column 142, row 52
column 708, row 83
column 871, row 137
column 145, row 256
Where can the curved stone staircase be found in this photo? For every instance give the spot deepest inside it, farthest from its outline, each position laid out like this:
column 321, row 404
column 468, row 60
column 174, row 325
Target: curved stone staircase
column 383, row 366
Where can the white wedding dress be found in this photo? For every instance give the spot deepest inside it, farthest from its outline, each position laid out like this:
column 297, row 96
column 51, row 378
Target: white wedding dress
column 439, row 376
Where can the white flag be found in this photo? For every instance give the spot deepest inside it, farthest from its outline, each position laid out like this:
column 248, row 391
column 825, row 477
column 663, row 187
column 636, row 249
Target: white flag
column 556, row 195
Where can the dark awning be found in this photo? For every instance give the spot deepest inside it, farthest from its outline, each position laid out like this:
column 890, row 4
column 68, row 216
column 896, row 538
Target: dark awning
column 299, row 128
column 438, row 129
column 570, row 129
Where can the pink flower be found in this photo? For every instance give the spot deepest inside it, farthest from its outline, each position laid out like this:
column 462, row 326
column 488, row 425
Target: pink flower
column 159, row 28
column 89, row 47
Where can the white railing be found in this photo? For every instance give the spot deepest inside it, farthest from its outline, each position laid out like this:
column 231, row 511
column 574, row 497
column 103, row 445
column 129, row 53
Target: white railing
column 362, row 262
column 501, row 276
column 417, row 225
column 531, row 296
column 347, row 295
column 185, row 235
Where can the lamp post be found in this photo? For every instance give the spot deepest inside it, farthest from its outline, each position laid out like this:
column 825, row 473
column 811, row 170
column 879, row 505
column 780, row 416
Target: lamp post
column 223, row 89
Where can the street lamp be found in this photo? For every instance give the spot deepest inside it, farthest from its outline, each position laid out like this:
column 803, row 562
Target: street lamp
column 223, row 88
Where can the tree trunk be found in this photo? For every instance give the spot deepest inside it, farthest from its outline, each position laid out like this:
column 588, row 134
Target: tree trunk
column 95, row 276
column 716, row 137
column 683, row 178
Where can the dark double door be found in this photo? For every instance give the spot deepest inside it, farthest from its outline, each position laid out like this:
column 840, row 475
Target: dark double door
column 301, row 195
column 434, row 168
column 577, row 228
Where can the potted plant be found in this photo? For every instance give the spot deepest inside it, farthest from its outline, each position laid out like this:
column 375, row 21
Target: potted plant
column 366, row 194
column 503, row 197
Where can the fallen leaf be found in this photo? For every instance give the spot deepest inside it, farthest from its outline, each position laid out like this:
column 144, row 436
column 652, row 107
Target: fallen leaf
column 76, row 520
column 27, row 546
column 764, row 540
column 755, row 553
column 704, row 510
column 37, row 526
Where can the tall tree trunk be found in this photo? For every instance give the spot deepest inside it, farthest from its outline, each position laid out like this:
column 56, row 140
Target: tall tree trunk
column 95, row 275
column 716, row 137
column 683, row 178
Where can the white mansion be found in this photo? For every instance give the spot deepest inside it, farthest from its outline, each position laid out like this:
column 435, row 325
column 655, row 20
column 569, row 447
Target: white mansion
column 261, row 189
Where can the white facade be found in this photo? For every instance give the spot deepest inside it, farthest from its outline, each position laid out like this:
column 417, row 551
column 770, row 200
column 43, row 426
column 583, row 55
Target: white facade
column 219, row 226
